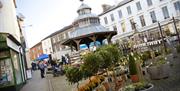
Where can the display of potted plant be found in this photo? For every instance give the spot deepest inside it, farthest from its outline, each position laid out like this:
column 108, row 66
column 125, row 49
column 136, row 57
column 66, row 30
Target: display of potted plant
column 159, row 68
column 133, row 68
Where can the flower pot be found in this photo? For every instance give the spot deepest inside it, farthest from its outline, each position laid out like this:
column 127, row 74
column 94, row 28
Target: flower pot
column 150, row 88
column 134, row 78
column 106, row 85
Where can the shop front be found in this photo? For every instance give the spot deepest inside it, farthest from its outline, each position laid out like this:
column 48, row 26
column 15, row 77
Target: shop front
column 12, row 73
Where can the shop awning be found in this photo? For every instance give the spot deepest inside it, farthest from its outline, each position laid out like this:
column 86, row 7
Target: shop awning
column 43, row 56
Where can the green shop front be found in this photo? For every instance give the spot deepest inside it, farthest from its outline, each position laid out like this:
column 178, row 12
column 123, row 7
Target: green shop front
column 12, row 69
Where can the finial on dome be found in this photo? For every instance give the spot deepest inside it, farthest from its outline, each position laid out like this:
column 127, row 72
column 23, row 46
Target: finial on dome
column 81, row 0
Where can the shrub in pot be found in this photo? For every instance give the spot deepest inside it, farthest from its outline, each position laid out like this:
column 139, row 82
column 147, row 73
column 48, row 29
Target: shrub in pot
column 133, row 69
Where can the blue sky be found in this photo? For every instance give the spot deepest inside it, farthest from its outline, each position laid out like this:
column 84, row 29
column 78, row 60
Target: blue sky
column 48, row 16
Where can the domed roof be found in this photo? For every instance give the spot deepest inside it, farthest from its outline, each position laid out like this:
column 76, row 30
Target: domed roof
column 88, row 30
column 85, row 16
column 83, row 6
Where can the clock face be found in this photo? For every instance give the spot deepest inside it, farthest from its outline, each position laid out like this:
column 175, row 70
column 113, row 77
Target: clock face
column 1, row 5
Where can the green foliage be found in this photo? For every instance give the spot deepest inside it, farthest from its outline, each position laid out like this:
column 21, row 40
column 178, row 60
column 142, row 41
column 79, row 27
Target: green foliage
column 159, row 61
column 132, row 65
column 168, row 51
column 157, row 53
column 115, row 53
column 91, row 63
column 137, row 86
column 178, row 48
column 105, row 57
column 146, row 55
column 73, row 74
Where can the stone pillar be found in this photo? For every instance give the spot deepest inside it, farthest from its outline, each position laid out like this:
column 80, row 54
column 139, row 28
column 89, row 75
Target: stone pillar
column 88, row 45
column 94, row 39
column 101, row 41
column 77, row 44
column 71, row 47
column 108, row 37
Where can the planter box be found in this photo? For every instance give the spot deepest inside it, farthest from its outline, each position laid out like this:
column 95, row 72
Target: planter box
column 159, row 72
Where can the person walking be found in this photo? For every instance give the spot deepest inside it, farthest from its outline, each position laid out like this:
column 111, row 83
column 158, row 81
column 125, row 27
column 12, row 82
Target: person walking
column 33, row 64
column 42, row 68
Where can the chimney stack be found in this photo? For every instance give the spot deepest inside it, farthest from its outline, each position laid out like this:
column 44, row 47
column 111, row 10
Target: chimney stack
column 106, row 7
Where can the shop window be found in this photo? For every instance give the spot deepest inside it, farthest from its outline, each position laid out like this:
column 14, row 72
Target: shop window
column 6, row 72
column 16, row 60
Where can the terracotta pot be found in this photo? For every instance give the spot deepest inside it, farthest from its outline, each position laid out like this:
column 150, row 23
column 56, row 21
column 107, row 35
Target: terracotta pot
column 134, row 78
column 106, row 85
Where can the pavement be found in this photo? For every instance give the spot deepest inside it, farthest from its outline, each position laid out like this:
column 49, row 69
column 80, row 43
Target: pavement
column 50, row 83
column 173, row 82
column 60, row 83
column 36, row 83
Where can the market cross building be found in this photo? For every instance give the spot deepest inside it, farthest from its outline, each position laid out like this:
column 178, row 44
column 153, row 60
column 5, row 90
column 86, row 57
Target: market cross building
column 87, row 29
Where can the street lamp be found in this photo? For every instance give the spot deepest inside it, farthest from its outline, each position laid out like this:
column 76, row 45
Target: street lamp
column 177, row 32
column 162, row 37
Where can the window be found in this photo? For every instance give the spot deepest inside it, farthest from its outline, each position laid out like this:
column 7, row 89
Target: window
column 105, row 20
column 115, row 28
column 17, row 69
column 54, row 40
column 120, row 13
column 123, row 26
column 165, row 12
column 153, row 16
column 112, row 17
column 6, row 70
column 149, row 2
column 132, row 24
column 143, row 23
column 177, row 6
column 129, row 10
column 138, row 5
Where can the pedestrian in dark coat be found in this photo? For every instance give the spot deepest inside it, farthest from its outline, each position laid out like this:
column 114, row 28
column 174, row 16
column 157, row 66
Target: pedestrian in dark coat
column 42, row 68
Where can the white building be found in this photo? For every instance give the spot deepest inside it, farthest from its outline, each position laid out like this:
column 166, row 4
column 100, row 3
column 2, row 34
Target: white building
column 145, row 13
column 47, row 46
column 8, row 19
column 12, row 70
